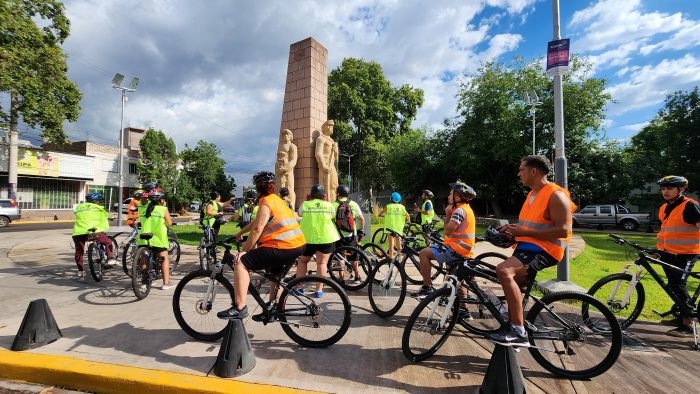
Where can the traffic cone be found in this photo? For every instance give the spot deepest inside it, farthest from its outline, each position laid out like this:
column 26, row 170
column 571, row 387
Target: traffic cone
column 236, row 355
column 38, row 327
column 503, row 374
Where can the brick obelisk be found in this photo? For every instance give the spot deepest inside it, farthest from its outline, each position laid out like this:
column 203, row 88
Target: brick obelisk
column 305, row 108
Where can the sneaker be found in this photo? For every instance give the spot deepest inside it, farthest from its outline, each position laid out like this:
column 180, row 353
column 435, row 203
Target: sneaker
column 681, row 332
column 465, row 315
column 233, row 313
column 423, row 292
column 80, row 275
column 111, row 262
column 509, row 336
column 167, row 286
column 318, row 294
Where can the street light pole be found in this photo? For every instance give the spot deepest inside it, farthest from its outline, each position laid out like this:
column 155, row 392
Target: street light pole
column 349, row 177
column 533, row 130
column 533, row 101
column 117, row 84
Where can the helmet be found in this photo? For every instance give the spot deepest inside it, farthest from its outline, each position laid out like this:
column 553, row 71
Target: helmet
column 395, row 197
column 463, row 190
column 428, row 193
column 251, row 194
column 497, row 238
column 318, row 191
column 263, row 177
column 673, row 180
column 92, row 197
column 138, row 193
column 156, row 196
column 148, row 186
column 343, row 191
column 284, row 192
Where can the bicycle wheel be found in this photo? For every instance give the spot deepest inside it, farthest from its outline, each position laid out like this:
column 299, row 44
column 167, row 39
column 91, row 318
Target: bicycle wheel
column 95, row 261
column 491, row 259
column 128, row 256
column 411, row 266
column 387, row 289
column 569, row 345
column 173, row 254
column 141, row 276
column 206, row 260
column 379, row 236
column 349, row 267
column 616, row 293
column 374, row 252
column 483, row 321
column 193, row 304
column 425, row 330
column 115, row 245
column 314, row 322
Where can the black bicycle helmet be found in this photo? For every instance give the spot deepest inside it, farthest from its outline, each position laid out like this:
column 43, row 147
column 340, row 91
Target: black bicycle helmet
column 500, row 239
column 673, row 180
column 284, row 192
column 148, row 186
column 463, row 190
column 156, row 196
column 263, row 177
column 428, row 193
column 251, row 194
column 343, row 191
column 93, row 197
column 318, row 191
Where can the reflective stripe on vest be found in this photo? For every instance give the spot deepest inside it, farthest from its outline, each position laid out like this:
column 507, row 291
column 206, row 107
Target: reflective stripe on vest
column 677, row 236
column 282, row 230
column 463, row 241
column 532, row 218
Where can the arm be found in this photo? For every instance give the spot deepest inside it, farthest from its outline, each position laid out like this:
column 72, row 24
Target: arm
column 210, row 210
column 168, row 219
column 292, row 155
column 560, row 213
column 227, row 203
column 408, row 217
column 319, row 154
column 256, row 227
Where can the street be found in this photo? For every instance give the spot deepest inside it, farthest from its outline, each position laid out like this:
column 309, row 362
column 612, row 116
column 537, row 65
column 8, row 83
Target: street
column 59, row 225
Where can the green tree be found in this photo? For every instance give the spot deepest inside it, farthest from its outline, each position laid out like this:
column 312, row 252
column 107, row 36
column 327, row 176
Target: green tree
column 368, row 111
column 159, row 160
column 411, row 162
column 33, row 67
column 204, row 168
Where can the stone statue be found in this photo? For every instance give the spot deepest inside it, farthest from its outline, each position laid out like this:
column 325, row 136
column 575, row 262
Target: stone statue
column 286, row 161
column 326, row 156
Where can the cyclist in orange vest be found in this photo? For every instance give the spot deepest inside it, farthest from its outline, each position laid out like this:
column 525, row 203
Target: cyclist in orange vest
column 542, row 234
column 678, row 242
column 133, row 210
column 279, row 238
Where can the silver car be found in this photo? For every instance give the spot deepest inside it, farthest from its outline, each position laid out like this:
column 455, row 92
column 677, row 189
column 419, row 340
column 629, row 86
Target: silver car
column 9, row 211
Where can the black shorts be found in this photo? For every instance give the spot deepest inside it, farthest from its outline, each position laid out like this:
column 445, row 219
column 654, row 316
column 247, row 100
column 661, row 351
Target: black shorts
column 158, row 250
column 535, row 261
column 311, row 249
column 270, row 259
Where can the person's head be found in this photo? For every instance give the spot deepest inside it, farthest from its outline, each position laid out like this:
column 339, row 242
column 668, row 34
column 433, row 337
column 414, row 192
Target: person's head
column 327, row 128
column 672, row 186
column 156, row 197
column 533, row 169
column 342, row 191
column 460, row 192
column 427, row 194
column 94, row 198
column 395, row 197
column 284, row 192
column 264, row 182
column 318, row 191
column 215, row 196
column 287, row 135
column 148, row 186
column 251, row 195
column 138, row 193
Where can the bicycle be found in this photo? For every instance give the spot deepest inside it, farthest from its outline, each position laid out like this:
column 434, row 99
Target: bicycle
column 97, row 255
column 146, row 268
column 129, row 246
column 557, row 329
column 624, row 292
column 207, row 248
column 198, row 291
column 348, row 258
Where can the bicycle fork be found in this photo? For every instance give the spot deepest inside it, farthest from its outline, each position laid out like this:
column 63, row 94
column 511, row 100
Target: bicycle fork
column 636, row 275
column 439, row 303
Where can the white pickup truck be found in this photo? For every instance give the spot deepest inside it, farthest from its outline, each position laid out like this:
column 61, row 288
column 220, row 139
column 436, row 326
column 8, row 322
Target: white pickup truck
column 615, row 215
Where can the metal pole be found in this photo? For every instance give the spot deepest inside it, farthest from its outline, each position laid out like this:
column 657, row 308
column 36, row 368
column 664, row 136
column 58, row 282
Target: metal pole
column 121, row 160
column 13, row 148
column 349, row 177
column 560, row 160
column 533, row 130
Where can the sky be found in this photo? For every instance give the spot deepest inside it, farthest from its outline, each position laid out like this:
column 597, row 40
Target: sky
column 215, row 70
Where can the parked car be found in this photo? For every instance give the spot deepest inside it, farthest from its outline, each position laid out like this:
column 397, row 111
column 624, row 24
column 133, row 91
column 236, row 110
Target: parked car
column 125, row 205
column 614, row 215
column 9, row 211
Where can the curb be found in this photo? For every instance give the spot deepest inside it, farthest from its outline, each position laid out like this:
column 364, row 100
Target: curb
column 30, row 221
column 92, row 376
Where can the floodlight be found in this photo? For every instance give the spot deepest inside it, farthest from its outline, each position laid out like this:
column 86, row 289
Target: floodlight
column 117, row 80
column 134, row 83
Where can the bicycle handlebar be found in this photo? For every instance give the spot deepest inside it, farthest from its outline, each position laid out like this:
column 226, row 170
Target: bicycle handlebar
column 621, row 241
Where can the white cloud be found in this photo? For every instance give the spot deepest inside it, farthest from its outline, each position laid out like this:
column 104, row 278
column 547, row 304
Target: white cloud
column 512, row 6
column 685, row 38
column 634, row 127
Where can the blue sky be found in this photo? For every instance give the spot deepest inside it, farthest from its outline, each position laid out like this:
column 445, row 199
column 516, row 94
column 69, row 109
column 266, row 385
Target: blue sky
column 216, row 70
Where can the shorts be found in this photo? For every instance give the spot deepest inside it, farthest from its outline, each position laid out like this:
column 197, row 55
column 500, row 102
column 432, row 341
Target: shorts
column 270, row 259
column 346, row 240
column 311, row 249
column 158, row 250
column 445, row 254
column 535, row 261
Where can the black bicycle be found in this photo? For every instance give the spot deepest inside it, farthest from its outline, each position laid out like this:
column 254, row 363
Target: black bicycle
column 308, row 321
column 97, row 255
column 146, row 268
column 129, row 246
column 349, row 265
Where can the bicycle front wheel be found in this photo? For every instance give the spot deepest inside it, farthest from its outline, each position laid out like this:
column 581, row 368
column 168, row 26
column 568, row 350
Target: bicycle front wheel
column 193, row 304
column 141, row 275
column 568, row 344
column 128, row 256
column 387, row 289
column 206, row 260
column 430, row 325
column 173, row 254
column 617, row 293
column 311, row 321
column 95, row 261
column 349, row 267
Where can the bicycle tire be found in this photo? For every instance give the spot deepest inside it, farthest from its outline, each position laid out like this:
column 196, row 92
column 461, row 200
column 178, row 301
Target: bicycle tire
column 615, row 305
column 575, row 335
column 128, row 256
column 483, row 321
column 409, row 263
column 214, row 327
column 95, row 261
column 141, row 279
column 333, row 297
column 377, row 236
column 339, row 263
column 374, row 252
column 173, row 255
column 386, row 298
column 491, row 259
column 115, row 245
column 414, row 325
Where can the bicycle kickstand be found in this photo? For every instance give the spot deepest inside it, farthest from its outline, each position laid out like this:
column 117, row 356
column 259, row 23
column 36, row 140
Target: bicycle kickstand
column 695, row 334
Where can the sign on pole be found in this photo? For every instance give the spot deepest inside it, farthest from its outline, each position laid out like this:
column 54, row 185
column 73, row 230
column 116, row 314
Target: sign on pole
column 557, row 57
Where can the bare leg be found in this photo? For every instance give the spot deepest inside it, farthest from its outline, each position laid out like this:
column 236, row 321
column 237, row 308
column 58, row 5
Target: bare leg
column 508, row 273
column 425, row 255
column 241, row 280
column 165, row 267
column 322, row 267
column 302, row 266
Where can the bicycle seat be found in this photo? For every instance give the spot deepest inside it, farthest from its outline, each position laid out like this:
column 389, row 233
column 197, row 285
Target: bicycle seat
column 146, row 236
column 92, row 230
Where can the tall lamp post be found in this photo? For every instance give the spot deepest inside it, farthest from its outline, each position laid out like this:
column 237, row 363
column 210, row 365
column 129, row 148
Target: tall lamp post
column 349, row 156
column 533, row 101
column 117, row 84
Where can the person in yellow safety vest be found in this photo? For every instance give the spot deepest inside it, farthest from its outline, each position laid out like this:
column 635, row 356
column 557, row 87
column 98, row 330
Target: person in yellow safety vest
column 427, row 211
column 318, row 226
column 542, row 234
column 279, row 239
column 678, row 243
column 395, row 218
column 460, row 236
column 88, row 215
column 353, row 237
column 248, row 211
column 156, row 220
column 213, row 217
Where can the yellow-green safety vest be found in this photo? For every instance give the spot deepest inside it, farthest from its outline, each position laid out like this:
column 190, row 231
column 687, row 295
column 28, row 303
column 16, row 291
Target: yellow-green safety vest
column 155, row 224
column 427, row 217
column 89, row 215
column 318, row 222
column 209, row 220
column 395, row 217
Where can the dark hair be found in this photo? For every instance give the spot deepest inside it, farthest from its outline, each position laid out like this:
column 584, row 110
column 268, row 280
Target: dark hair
column 538, row 162
column 214, row 195
column 284, row 192
column 149, row 209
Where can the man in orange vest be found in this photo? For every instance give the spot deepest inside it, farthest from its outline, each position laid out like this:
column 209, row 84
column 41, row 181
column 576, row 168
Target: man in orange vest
column 542, row 234
column 133, row 210
column 678, row 242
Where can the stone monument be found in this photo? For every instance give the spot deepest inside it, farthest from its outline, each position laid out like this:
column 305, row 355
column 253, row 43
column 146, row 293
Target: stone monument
column 327, row 156
column 286, row 161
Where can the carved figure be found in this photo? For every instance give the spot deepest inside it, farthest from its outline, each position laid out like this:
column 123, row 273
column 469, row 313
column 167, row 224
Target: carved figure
column 286, row 161
column 327, row 156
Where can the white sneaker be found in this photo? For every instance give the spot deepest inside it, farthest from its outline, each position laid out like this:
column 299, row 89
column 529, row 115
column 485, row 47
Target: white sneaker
column 166, row 287
column 80, row 275
column 112, row 262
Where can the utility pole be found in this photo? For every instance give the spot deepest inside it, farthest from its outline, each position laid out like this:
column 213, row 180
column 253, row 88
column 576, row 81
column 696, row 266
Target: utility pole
column 13, row 149
column 117, row 84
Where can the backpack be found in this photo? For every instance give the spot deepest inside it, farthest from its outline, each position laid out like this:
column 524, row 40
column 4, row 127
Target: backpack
column 344, row 219
column 247, row 215
column 202, row 214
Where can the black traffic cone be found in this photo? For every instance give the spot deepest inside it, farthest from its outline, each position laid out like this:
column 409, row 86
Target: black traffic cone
column 38, row 327
column 236, row 356
column 503, row 374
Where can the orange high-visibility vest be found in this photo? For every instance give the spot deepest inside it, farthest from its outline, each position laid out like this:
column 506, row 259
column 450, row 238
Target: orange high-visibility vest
column 532, row 217
column 677, row 236
column 132, row 212
column 282, row 230
column 463, row 242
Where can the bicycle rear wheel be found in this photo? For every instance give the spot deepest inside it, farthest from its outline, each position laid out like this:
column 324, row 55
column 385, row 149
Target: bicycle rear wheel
column 141, row 276
column 314, row 322
column 612, row 291
column 95, row 258
column 387, row 289
column 173, row 255
column 491, row 259
column 193, row 304
column 206, row 260
column 568, row 344
column 341, row 269
column 379, row 237
column 425, row 330
column 128, row 256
